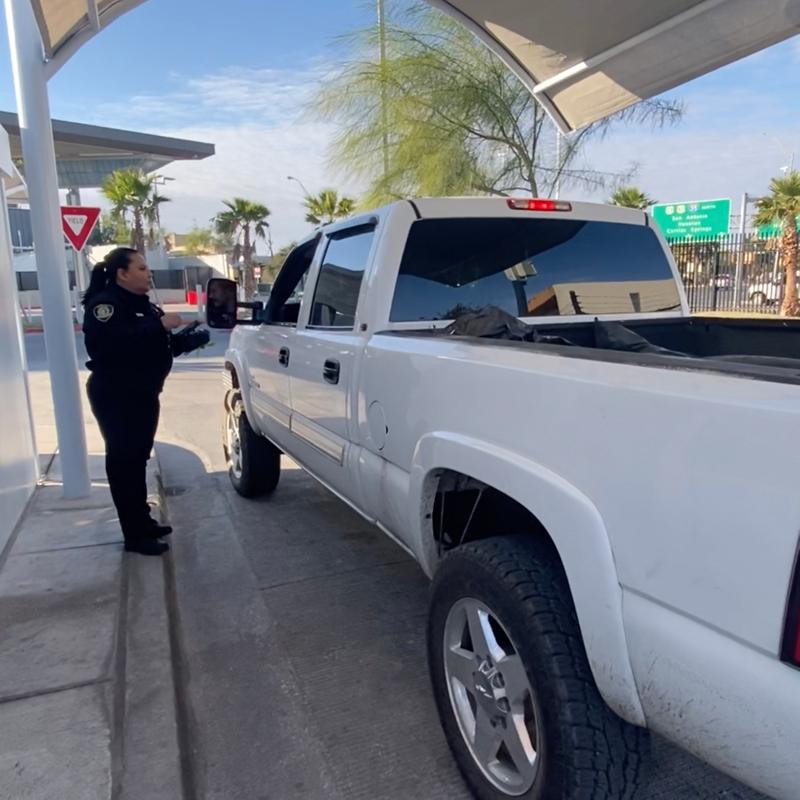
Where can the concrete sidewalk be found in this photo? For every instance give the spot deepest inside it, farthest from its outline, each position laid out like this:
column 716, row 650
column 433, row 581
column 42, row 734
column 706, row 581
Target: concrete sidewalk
column 87, row 698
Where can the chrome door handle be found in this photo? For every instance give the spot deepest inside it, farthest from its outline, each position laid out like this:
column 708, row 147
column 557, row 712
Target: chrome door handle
column 331, row 370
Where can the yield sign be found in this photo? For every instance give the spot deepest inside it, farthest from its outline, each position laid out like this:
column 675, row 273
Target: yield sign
column 78, row 222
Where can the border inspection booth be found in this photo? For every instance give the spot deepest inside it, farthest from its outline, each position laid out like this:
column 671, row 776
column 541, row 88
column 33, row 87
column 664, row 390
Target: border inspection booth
column 18, row 462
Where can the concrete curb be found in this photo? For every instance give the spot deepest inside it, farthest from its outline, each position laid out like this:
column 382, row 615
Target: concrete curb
column 147, row 762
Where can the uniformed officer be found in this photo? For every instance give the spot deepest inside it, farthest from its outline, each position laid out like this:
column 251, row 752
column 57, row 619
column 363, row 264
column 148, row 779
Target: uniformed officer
column 131, row 344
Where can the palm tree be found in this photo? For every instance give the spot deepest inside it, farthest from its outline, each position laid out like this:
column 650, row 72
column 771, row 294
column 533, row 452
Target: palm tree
column 245, row 221
column 631, row 197
column 327, row 206
column 134, row 199
column 783, row 206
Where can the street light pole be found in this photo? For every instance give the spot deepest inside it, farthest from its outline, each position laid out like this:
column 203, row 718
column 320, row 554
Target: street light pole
column 737, row 282
column 384, row 113
column 737, row 288
column 159, row 180
column 36, row 134
column 298, row 181
column 784, row 150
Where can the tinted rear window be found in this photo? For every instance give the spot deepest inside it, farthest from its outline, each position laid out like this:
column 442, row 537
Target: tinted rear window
column 531, row 267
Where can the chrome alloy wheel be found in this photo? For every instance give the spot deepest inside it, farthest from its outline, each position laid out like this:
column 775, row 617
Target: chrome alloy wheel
column 233, row 443
column 491, row 697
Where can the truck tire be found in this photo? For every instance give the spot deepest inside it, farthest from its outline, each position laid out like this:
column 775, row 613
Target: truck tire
column 254, row 463
column 512, row 683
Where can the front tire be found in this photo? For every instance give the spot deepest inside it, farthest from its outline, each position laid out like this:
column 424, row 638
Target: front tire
column 512, row 683
column 254, row 463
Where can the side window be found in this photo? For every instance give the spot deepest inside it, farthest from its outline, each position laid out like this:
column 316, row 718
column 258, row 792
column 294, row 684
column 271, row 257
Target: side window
column 339, row 281
column 283, row 306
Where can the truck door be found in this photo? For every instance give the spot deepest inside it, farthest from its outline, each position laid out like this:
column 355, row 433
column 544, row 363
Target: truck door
column 273, row 345
column 325, row 358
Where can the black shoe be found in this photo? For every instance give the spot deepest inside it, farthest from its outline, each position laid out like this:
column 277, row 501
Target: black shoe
column 147, row 547
column 156, row 531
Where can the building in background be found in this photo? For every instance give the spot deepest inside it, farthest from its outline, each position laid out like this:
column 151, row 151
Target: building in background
column 85, row 156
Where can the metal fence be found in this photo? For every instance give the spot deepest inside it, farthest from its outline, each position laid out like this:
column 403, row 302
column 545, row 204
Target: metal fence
column 731, row 273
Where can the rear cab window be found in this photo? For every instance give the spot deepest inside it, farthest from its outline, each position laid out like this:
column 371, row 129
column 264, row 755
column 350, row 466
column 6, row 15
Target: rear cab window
column 532, row 268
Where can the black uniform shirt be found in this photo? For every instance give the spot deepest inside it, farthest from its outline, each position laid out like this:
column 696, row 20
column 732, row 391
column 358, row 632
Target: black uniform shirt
column 125, row 340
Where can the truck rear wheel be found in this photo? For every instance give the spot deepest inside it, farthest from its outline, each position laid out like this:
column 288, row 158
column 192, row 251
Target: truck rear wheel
column 254, row 464
column 512, row 683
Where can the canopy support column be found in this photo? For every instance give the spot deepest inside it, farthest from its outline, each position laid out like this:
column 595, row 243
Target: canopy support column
column 36, row 133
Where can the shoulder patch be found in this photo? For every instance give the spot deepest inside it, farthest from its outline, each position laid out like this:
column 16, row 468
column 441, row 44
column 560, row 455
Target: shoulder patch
column 103, row 312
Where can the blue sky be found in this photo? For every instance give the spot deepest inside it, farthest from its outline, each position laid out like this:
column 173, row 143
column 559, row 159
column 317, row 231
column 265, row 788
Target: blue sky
column 237, row 74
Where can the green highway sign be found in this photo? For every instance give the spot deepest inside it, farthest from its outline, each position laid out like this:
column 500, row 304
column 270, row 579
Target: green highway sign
column 693, row 219
column 774, row 230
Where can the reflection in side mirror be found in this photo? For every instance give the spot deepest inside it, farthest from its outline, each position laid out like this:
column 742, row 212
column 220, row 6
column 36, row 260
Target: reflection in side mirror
column 221, row 303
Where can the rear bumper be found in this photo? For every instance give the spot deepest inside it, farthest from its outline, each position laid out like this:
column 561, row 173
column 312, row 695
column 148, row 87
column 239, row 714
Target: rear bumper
column 735, row 707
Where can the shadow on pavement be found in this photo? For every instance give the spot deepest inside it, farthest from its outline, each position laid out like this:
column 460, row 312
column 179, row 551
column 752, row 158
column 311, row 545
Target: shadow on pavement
column 303, row 629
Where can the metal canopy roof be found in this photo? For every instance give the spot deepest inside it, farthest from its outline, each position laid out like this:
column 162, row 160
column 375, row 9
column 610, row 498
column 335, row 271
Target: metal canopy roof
column 583, row 59
column 586, row 59
column 65, row 25
column 87, row 154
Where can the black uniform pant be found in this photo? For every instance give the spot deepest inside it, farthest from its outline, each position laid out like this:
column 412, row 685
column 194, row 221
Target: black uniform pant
column 128, row 419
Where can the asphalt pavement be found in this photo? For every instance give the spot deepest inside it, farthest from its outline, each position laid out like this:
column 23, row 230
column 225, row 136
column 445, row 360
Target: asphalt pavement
column 300, row 631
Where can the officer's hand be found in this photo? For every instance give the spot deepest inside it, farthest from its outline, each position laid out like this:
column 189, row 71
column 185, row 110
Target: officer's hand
column 196, row 339
column 170, row 321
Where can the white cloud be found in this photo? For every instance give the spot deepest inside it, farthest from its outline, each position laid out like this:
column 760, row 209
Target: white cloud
column 729, row 143
column 233, row 94
column 253, row 161
column 256, row 120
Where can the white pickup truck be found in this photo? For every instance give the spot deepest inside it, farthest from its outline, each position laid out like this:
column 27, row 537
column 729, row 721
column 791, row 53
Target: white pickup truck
column 604, row 490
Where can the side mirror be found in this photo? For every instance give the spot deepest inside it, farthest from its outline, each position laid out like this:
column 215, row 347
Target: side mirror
column 222, row 306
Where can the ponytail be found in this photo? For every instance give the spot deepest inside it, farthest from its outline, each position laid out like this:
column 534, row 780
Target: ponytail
column 104, row 273
column 97, row 282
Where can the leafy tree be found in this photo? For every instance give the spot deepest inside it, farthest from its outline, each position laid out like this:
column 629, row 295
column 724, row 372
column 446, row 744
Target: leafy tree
column 281, row 255
column 273, row 264
column 442, row 115
column 327, row 206
column 244, row 221
column 631, row 197
column 782, row 206
column 110, row 230
column 201, row 241
column 135, row 201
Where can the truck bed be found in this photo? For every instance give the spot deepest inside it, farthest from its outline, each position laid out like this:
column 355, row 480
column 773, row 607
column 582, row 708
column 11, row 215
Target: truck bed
column 758, row 349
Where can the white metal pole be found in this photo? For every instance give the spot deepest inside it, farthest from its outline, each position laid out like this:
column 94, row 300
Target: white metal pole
column 36, row 133
column 78, row 261
column 737, row 282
